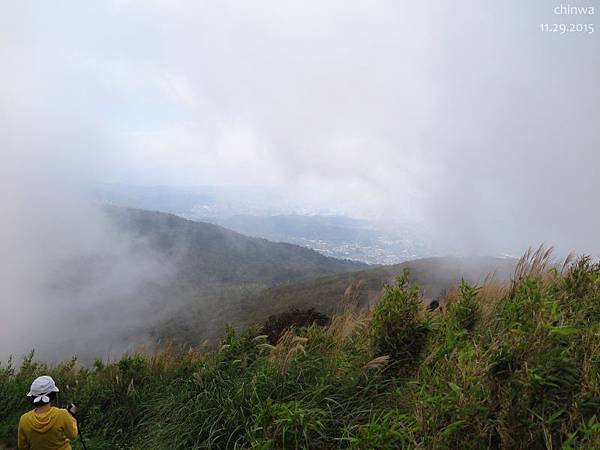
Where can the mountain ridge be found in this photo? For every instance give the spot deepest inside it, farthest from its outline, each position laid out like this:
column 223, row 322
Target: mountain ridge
column 227, row 256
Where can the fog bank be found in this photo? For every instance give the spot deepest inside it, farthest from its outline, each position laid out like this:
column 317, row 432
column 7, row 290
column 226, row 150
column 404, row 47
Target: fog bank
column 466, row 118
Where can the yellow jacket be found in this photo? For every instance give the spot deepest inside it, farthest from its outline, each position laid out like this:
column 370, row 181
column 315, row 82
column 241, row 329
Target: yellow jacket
column 47, row 431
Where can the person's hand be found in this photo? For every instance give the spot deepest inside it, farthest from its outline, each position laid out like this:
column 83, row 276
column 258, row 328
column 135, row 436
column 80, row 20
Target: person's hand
column 72, row 409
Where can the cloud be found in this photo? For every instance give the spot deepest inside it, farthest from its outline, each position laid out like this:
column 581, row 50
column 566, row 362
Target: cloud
column 70, row 284
column 386, row 96
column 465, row 117
column 514, row 147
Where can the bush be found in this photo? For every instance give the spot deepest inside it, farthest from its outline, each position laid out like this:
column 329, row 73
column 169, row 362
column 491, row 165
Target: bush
column 278, row 324
column 398, row 326
column 463, row 310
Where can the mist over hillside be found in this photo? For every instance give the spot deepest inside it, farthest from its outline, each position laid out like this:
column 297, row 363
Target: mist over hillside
column 148, row 276
column 434, row 276
column 208, row 253
column 330, row 294
column 134, row 269
column 273, row 215
column 170, row 168
column 506, row 366
column 221, row 277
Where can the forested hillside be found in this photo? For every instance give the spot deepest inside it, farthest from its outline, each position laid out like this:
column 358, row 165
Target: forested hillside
column 223, row 277
column 209, row 253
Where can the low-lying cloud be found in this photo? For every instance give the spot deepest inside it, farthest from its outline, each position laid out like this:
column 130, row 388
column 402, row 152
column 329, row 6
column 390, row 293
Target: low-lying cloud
column 465, row 117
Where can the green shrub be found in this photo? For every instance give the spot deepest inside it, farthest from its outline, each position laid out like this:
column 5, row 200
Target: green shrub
column 463, row 311
column 276, row 325
column 398, row 326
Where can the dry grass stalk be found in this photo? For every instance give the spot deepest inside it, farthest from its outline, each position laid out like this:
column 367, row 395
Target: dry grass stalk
column 568, row 262
column 451, row 295
column 490, row 294
column 534, row 263
column 347, row 323
column 288, row 346
column 540, row 264
column 266, row 346
column 130, row 388
column 260, row 337
column 377, row 363
column 352, row 293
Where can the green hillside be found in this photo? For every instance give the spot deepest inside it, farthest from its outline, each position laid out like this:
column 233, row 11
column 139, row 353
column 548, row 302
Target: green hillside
column 327, row 294
column 223, row 277
column 216, row 274
column 502, row 366
column 207, row 253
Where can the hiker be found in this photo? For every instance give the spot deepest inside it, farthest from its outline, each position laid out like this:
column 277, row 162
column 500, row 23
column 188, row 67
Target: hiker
column 46, row 427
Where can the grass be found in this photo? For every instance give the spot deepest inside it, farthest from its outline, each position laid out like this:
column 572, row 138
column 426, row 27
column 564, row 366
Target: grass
column 504, row 365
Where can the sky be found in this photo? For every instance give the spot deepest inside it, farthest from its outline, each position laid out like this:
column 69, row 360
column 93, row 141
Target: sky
column 463, row 116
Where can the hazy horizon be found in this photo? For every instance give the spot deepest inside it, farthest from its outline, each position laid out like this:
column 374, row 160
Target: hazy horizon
column 466, row 117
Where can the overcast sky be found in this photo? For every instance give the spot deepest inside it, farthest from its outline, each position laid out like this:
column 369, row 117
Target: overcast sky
column 462, row 115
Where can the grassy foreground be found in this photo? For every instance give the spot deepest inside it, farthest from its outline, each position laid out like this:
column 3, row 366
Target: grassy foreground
column 500, row 366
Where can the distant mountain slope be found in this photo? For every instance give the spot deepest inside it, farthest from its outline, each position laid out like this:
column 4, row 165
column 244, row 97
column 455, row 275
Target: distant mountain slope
column 329, row 293
column 210, row 272
column 363, row 288
column 219, row 276
column 208, row 253
column 270, row 214
column 336, row 236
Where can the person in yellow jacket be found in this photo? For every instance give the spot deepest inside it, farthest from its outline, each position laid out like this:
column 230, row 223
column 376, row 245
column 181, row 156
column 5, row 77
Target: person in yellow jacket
column 46, row 427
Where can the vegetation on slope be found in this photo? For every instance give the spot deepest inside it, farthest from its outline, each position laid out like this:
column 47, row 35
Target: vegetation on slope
column 199, row 277
column 511, row 365
column 207, row 253
column 363, row 288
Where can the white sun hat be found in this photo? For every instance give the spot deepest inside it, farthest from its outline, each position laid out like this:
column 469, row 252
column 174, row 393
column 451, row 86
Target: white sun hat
column 41, row 387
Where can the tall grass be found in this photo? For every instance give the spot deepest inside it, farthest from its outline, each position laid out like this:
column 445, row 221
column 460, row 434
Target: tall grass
column 503, row 365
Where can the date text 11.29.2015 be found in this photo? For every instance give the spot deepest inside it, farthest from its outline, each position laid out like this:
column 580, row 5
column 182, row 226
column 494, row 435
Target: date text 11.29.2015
column 567, row 28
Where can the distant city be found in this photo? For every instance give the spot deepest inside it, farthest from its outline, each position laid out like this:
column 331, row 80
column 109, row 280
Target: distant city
column 265, row 213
